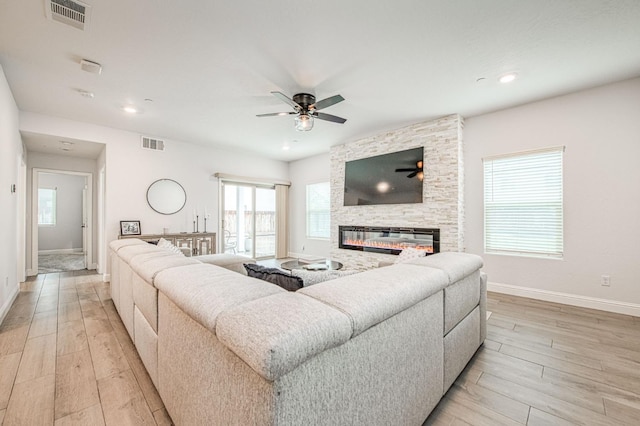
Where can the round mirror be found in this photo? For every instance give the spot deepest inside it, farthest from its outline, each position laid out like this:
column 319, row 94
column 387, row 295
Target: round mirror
column 166, row 196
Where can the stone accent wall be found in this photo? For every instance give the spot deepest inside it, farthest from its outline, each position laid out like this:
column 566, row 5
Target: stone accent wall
column 443, row 197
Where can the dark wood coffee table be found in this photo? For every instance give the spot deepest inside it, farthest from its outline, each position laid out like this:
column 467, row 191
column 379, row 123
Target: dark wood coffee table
column 327, row 265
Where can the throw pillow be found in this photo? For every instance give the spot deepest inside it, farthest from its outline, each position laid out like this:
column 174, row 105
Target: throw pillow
column 274, row 276
column 315, row 277
column 165, row 244
column 410, row 254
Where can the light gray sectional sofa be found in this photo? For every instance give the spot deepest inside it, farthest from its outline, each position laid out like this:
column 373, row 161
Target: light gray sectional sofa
column 379, row 347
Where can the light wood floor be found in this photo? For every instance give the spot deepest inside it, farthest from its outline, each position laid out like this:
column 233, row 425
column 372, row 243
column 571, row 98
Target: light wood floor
column 548, row 364
column 66, row 358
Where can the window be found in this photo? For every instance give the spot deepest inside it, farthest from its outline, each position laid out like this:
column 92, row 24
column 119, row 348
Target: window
column 46, row 207
column 318, row 210
column 523, row 204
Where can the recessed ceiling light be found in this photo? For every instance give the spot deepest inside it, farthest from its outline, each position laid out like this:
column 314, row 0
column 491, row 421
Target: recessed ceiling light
column 130, row 109
column 383, row 186
column 286, row 147
column 508, row 78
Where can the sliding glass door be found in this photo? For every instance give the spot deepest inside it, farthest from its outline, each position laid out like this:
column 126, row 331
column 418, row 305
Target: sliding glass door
column 248, row 220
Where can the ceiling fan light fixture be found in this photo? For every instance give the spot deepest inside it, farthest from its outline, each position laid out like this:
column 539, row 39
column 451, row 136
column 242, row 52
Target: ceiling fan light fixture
column 304, row 123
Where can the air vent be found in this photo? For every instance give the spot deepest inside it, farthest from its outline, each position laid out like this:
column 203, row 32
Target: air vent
column 73, row 13
column 153, row 144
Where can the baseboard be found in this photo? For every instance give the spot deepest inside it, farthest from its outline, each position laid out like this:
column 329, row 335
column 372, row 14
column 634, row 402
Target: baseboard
column 4, row 310
column 93, row 266
column 61, row 251
column 106, row 278
column 615, row 306
column 31, row 272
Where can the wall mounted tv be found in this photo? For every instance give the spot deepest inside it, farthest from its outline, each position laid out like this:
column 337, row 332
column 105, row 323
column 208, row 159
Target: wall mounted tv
column 394, row 178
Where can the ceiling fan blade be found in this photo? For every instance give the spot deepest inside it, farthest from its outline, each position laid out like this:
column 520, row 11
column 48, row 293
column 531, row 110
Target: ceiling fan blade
column 329, row 117
column 410, row 175
column 284, row 98
column 326, row 102
column 413, row 169
column 271, row 114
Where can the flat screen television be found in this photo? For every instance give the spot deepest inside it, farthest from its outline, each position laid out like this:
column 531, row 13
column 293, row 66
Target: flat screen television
column 394, row 178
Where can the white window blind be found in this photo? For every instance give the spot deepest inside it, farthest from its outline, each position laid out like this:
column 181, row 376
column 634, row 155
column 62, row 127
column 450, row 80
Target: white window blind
column 47, row 207
column 523, row 204
column 318, row 210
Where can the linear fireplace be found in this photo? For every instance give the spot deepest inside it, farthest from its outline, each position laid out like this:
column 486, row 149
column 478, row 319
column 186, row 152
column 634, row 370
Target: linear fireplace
column 388, row 240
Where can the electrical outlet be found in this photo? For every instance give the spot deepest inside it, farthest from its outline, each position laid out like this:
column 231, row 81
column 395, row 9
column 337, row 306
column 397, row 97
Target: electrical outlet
column 606, row 281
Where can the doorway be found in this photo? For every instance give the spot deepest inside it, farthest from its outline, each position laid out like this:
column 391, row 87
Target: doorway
column 248, row 214
column 61, row 221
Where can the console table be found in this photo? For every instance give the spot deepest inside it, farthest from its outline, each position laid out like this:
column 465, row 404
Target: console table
column 199, row 242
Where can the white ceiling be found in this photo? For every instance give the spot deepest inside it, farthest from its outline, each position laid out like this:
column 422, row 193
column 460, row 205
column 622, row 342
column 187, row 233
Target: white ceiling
column 208, row 65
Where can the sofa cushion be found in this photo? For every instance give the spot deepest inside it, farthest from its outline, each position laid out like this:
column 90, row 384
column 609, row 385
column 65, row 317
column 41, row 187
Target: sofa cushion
column 277, row 333
column 455, row 265
column 149, row 264
column 274, row 276
column 129, row 252
column 203, row 291
column 371, row 297
column 315, row 277
column 116, row 245
column 463, row 293
column 232, row 262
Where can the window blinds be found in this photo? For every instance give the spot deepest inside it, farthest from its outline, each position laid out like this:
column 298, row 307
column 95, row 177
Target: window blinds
column 523, row 203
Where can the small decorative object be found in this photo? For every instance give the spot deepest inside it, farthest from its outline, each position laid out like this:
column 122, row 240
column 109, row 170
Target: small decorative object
column 130, row 227
column 316, row 267
column 205, row 223
column 196, row 221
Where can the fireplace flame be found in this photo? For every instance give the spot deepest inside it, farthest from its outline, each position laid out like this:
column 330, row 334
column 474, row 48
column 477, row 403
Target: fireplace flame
column 387, row 245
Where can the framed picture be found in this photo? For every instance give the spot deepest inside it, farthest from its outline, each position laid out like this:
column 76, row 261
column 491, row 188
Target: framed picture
column 129, row 227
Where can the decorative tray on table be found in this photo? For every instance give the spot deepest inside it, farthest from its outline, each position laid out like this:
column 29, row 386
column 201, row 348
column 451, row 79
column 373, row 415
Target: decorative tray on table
column 316, row 267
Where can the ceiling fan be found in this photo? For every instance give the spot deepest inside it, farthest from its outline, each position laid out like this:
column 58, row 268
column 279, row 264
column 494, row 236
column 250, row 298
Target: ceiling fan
column 306, row 109
column 415, row 171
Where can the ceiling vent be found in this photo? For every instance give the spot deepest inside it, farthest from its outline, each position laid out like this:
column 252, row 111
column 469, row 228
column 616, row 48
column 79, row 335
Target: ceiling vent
column 70, row 12
column 152, row 144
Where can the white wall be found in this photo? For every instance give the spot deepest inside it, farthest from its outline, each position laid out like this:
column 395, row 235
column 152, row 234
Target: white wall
column 130, row 170
column 10, row 155
column 67, row 232
column 601, row 131
column 301, row 173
